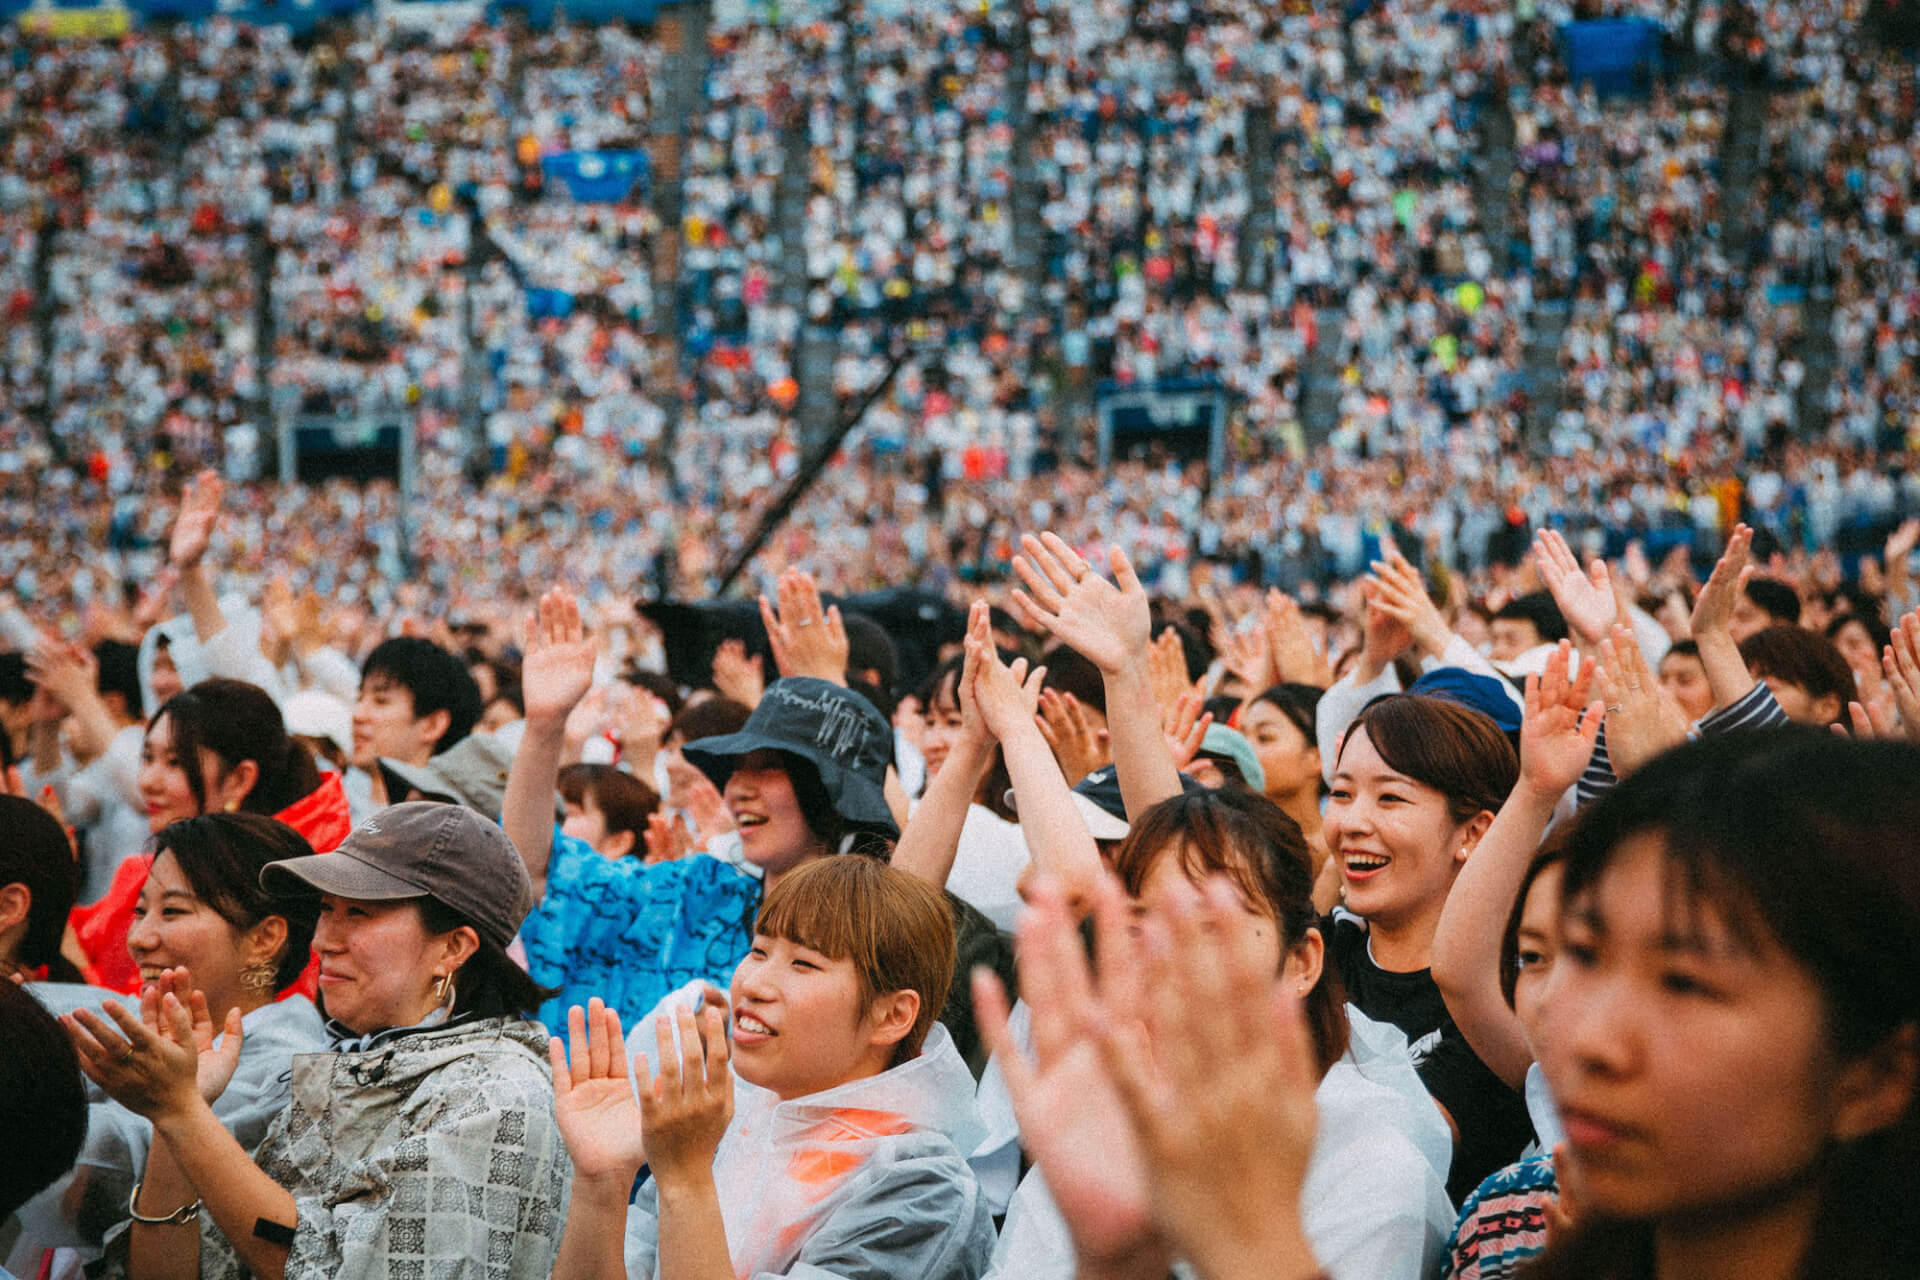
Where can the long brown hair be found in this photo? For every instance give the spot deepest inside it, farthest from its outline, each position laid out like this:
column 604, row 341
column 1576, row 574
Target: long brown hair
column 1259, row 849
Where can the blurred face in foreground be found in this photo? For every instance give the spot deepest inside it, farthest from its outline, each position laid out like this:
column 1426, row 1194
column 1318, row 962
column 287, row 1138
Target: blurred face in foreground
column 1690, row 1058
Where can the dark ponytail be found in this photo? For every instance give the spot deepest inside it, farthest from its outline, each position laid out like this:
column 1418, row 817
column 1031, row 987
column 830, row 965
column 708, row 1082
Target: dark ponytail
column 37, row 854
column 238, row 721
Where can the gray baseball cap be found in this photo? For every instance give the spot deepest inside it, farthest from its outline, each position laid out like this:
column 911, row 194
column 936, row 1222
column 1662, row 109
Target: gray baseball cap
column 420, row 849
column 473, row 772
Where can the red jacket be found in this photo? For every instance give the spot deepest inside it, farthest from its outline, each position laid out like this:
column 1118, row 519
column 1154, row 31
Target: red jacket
column 102, row 927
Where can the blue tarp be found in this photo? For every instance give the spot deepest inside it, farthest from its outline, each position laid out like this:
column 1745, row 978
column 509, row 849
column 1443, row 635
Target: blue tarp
column 598, row 175
column 1619, row 55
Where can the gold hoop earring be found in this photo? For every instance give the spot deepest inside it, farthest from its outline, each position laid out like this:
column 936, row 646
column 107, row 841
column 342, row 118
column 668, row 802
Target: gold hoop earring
column 258, row 977
column 233, row 806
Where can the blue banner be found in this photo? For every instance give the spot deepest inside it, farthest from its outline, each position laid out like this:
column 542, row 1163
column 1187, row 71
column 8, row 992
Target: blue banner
column 598, row 175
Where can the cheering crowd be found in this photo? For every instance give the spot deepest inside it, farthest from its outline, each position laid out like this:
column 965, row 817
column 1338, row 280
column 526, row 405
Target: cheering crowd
column 1437, row 851
column 1107, row 932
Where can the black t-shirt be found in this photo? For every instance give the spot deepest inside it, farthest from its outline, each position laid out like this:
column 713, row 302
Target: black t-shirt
column 1492, row 1118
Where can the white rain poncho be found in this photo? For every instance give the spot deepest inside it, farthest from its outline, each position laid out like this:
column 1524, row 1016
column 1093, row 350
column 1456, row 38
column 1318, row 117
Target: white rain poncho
column 1375, row 1203
column 434, row 1153
column 87, row 1205
column 863, row 1182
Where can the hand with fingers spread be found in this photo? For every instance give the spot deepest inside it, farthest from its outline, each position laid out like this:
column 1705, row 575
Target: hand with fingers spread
column 1247, row 655
column 1219, row 1078
column 1077, row 745
column 1642, row 718
column 806, row 639
column 738, row 676
column 1559, row 727
column 1401, row 593
column 1072, row 1120
column 1586, row 600
column 194, row 525
column 150, row 1064
column 1108, row 623
column 67, row 671
column 1900, row 664
column 685, row 1109
column 1185, row 726
column 1296, row 659
column 593, row 1100
column 557, row 671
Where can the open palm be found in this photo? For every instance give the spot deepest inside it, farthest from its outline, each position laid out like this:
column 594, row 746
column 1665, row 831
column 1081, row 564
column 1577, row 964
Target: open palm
column 593, row 1099
column 1108, row 623
column 193, row 527
column 558, row 668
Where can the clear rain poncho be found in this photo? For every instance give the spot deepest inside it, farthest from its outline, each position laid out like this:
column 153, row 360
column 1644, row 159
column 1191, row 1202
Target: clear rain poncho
column 1374, row 1205
column 862, row 1182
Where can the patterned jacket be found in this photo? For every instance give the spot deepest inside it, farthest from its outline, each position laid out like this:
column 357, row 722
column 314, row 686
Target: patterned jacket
column 434, row 1154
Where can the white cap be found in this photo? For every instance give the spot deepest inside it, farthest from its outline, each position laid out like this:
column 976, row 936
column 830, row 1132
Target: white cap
column 313, row 714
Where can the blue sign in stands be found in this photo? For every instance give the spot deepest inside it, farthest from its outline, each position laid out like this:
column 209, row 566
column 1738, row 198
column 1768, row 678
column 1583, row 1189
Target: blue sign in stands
column 598, row 176
column 1619, row 55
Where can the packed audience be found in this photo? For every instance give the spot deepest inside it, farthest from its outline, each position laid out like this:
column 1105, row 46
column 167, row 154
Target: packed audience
column 1432, row 853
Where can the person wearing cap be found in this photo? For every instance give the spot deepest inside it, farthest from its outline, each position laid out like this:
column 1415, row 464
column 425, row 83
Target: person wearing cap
column 423, row 1142
column 1227, row 759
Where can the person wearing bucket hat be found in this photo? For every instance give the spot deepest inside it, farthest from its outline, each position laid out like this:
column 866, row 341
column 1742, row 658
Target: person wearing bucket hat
column 426, row 1137
column 472, row 773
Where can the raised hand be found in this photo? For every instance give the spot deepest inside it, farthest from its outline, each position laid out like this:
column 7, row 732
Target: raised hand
column 1559, row 728
column 806, row 640
column 1072, row 1119
column 1006, row 697
column 194, row 525
column 1077, row 745
column 686, row 1108
column 1900, row 545
column 593, row 1100
column 738, row 676
column 1900, row 663
column 1167, row 672
column 1185, row 726
column 217, row 1063
column 1713, row 607
column 1384, row 637
column 69, row 672
column 1247, row 655
column 1642, row 718
column 1296, row 658
column 1223, row 1105
column 1586, row 600
column 1401, row 594
column 1108, row 623
column 557, row 670
column 667, row 838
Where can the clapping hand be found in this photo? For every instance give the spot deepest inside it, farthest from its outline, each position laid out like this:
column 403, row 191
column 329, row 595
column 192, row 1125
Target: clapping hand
column 1077, row 745
column 164, row 1060
column 1713, row 607
column 1006, row 698
column 738, row 676
column 593, row 1101
column 686, row 1108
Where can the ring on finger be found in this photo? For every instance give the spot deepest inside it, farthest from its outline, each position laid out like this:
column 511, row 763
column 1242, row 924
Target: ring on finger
column 124, row 1056
column 804, row 622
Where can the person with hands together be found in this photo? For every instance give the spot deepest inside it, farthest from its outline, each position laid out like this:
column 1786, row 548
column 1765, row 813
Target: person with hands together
column 1131, row 1083
column 822, row 1138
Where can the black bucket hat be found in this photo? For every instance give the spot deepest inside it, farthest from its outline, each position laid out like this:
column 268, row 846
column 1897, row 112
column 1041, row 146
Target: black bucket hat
column 842, row 735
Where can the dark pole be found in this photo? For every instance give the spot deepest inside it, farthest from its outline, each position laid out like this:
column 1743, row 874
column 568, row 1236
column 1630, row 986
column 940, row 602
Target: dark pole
column 261, row 253
column 43, row 315
column 814, row 464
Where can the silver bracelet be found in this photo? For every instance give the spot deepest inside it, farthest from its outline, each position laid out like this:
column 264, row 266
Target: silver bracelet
column 178, row 1218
